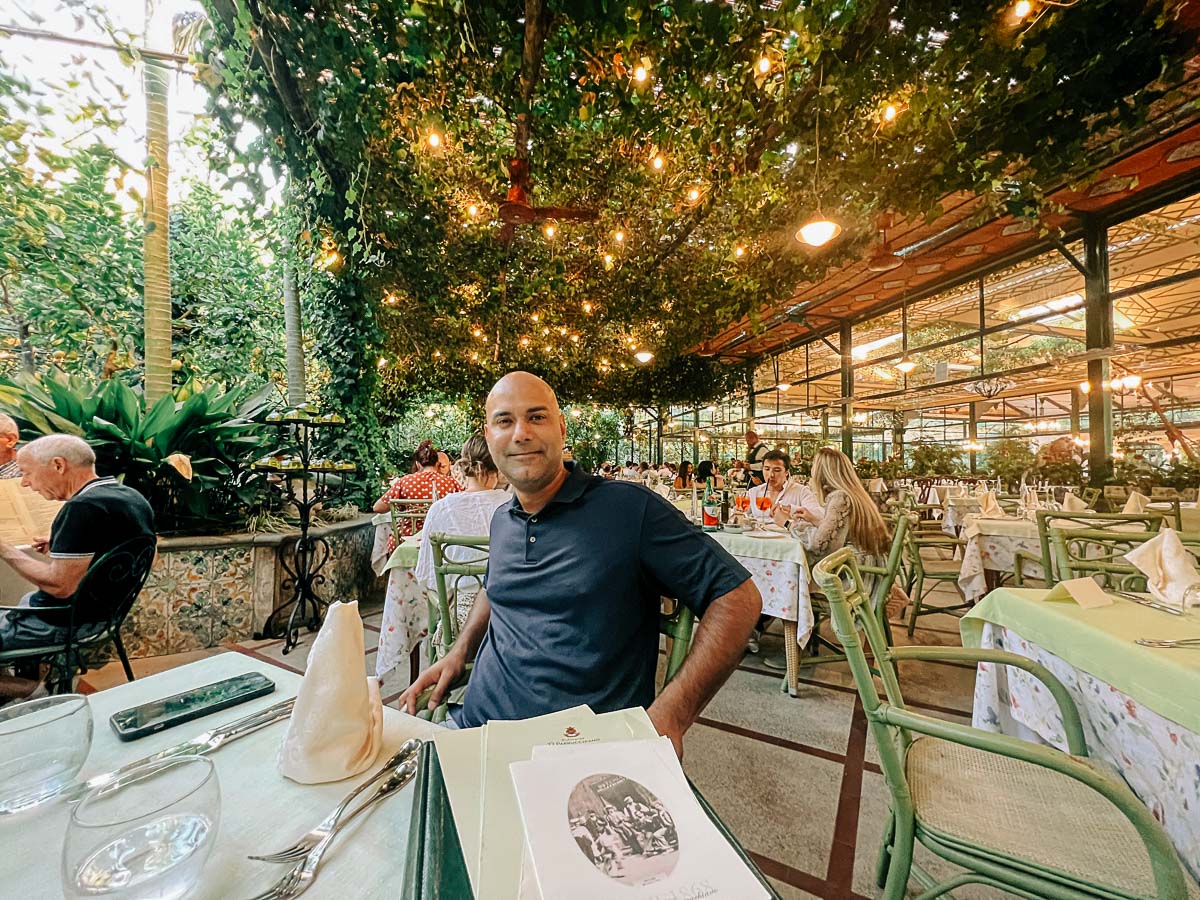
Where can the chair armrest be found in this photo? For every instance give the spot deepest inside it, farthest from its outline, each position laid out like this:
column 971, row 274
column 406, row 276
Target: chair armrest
column 1066, row 706
column 1168, row 875
column 422, row 703
column 29, row 609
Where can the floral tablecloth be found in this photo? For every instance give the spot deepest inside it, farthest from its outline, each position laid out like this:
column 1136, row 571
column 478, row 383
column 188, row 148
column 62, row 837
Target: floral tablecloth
column 405, row 621
column 954, row 512
column 1159, row 759
column 780, row 572
column 992, row 545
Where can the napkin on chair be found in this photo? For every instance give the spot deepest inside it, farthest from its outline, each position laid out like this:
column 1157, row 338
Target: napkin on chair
column 1169, row 569
column 989, row 508
column 336, row 727
column 1071, row 503
column 1136, row 504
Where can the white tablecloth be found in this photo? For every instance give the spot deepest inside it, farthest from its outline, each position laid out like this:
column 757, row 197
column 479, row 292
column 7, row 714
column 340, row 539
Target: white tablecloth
column 992, row 544
column 780, row 572
column 260, row 809
column 1159, row 759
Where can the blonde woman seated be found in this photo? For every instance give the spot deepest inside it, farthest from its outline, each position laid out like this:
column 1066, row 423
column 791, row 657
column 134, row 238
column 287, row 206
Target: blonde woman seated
column 467, row 513
column 850, row 518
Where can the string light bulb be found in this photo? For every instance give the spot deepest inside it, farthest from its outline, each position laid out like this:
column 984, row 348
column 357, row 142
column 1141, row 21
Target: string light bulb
column 472, row 210
column 550, row 231
column 693, row 194
column 434, row 140
column 587, row 306
column 657, row 163
column 1085, row 387
column 739, row 251
column 640, row 74
column 608, row 260
column 524, row 342
column 890, row 112
column 764, row 65
column 1022, row 9
column 619, row 236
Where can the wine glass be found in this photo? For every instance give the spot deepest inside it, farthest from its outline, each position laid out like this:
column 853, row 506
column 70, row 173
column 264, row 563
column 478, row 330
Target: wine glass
column 43, row 745
column 145, row 835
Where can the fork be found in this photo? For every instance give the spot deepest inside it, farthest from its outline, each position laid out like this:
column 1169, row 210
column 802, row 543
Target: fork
column 1184, row 642
column 298, row 879
column 305, row 844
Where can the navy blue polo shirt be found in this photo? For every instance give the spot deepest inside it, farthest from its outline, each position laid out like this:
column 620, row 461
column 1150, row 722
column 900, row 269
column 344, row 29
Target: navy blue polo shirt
column 574, row 591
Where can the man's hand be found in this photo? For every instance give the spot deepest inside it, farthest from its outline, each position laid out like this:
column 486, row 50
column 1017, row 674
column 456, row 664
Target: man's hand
column 808, row 515
column 440, row 676
column 665, row 724
column 782, row 514
column 41, row 545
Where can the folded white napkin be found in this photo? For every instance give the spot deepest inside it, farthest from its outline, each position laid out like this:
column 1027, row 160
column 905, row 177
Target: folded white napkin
column 337, row 724
column 1169, row 569
column 1136, row 504
column 1071, row 503
column 989, row 508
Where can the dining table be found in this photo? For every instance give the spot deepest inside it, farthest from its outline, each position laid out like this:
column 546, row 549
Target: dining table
column 990, row 551
column 405, row 621
column 954, row 513
column 1139, row 705
column 1189, row 513
column 261, row 811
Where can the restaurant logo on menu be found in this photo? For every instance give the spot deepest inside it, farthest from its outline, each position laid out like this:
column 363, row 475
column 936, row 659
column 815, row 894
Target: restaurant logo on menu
column 571, row 732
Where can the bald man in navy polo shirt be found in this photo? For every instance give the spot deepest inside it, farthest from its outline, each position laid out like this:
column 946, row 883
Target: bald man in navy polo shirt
column 576, row 569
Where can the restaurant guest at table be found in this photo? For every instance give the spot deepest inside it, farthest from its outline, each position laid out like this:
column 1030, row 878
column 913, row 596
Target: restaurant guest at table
column 576, row 572
column 9, row 435
column 850, row 516
column 419, row 485
column 708, row 469
column 98, row 514
column 468, row 512
column 683, row 481
column 779, row 491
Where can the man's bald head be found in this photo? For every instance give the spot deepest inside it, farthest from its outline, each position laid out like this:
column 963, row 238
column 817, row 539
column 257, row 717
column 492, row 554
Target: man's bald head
column 525, row 431
column 521, row 386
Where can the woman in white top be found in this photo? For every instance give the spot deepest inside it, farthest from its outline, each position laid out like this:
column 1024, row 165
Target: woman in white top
column 795, row 496
column 467, row 513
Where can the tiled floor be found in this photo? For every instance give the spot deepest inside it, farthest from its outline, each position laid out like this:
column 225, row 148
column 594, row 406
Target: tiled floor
column 796, row 779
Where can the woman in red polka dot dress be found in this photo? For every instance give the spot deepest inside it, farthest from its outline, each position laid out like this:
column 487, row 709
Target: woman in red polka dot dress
column 420, row 485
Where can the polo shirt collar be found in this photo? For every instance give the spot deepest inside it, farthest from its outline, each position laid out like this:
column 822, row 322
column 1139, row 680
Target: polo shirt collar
column 569, row 491
column 103, row 479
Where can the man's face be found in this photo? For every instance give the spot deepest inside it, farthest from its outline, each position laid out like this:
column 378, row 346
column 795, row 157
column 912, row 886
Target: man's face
column 49, row 479
column 525, row 431
column 443, row 463
column 751, row 439
column 775, row 472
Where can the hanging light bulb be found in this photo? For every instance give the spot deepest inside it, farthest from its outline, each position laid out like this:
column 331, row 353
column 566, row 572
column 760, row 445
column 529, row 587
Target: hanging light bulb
column 1022, row 9
column 890, row 112
column 550, row 231
column 619, row 236
column 657, row 163
column 783, row 387
column 1085, row 387
column 818, row 232
column 640, row 74
column 764, row 65
column 906, row 364
column 472, row 210
column 434, row 140
column 643, row 356
column 883, row 259
column 739, row 251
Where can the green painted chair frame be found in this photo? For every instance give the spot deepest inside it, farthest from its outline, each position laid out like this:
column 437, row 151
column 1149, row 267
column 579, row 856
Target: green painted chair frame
column 447, row 590
column 885, row 576
column 1095, row 552
column 412, row 510
column 113, row 583
column 897, row 729
column 1090, row 496
column 1152, row 521
column 917, row 575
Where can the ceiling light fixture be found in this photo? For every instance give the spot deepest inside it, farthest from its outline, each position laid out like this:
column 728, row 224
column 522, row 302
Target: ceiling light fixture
column 906, row 364
column 643, row 356
column 818, row 232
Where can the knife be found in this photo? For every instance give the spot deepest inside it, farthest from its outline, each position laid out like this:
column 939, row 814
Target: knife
column 198, row 746
column 1152, row 604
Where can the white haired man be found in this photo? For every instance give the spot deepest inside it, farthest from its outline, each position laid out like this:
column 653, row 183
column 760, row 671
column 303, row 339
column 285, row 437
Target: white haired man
column 9, row 435
column 98, row 514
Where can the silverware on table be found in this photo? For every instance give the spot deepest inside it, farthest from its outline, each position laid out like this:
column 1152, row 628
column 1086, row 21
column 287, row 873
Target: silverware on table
column 1148, row 602
column 296, row 881
column 1193, row 643
column 297, row 851
column 197, row 746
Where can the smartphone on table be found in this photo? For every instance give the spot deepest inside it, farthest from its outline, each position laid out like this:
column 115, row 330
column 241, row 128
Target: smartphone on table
column 158, row 715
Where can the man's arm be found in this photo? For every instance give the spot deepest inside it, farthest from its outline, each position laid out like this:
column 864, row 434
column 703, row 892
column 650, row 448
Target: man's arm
column 717, row 648
column 443, row 673
column 58, row 577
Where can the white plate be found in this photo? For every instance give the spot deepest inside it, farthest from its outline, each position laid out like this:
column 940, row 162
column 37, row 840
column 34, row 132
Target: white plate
column 765, row 534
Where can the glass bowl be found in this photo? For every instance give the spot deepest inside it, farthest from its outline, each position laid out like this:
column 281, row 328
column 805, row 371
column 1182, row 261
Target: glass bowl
column 43, row 745
column 146, row 835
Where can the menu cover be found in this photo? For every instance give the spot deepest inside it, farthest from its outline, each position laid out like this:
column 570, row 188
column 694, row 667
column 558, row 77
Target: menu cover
column 25, row 516
column 623, row 814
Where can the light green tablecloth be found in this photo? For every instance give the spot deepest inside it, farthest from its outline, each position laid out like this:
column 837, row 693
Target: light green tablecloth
column 1101, row 643
column 405, row 555
column 784, row 549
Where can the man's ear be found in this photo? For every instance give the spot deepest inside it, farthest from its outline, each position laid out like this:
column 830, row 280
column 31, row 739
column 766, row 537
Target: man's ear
column 562, row 425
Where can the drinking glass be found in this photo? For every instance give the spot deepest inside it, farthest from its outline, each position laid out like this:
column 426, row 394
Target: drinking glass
column 43, row 744
column 145, row 835
column 763, row 503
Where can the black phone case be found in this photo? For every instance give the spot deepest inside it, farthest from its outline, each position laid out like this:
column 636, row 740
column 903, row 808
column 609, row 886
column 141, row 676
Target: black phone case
column 197, row 713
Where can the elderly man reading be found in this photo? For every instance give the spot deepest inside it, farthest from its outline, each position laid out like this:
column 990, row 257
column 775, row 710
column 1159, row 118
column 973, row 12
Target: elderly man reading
column 576, row 570
column 9, row 435
column 98, row 515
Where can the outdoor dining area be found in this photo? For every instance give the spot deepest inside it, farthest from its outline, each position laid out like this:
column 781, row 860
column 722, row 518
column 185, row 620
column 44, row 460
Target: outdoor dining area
column 580, row 451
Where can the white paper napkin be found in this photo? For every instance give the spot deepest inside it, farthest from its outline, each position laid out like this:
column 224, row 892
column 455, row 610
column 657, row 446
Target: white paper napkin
column 1136, row 504
column 336, row 727
column 1071, row 503
column 1169, row 569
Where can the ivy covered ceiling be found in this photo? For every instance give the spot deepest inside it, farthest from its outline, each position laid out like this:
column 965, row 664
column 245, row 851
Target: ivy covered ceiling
column 559, row 185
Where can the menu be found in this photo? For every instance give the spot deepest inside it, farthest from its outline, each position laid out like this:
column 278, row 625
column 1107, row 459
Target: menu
column 25, row 516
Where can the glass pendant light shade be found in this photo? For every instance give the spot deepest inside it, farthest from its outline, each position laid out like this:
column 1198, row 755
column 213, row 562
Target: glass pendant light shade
column 818, row 232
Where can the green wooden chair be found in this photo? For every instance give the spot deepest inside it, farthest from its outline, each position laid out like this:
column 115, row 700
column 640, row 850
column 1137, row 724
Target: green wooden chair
column 1090, row 496
column 1099, row 553
column 448, row 575
column 923, row 576
column 1045, row 518
column 1015, row 815
column 411, row 511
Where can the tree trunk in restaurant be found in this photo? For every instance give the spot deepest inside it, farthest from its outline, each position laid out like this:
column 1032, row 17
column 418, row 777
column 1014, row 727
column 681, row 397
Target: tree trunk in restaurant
column 156, row 308
column 293, row 336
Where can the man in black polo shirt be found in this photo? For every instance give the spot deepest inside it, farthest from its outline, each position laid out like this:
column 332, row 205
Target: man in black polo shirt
column 575, row 573
column 98, row 515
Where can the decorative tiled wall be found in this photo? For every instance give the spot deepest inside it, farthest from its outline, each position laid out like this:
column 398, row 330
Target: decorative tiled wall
column 207, row 591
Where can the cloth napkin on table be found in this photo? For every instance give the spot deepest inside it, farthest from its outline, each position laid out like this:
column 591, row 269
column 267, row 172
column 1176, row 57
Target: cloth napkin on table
column 1071, row 503
column 989, row 508
column 1136, row 504
column 1169, row 569
column 336, row 727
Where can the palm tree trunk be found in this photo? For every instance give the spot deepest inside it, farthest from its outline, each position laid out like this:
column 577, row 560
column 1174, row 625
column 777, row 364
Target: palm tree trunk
column 156, row 247
column 294, row 346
